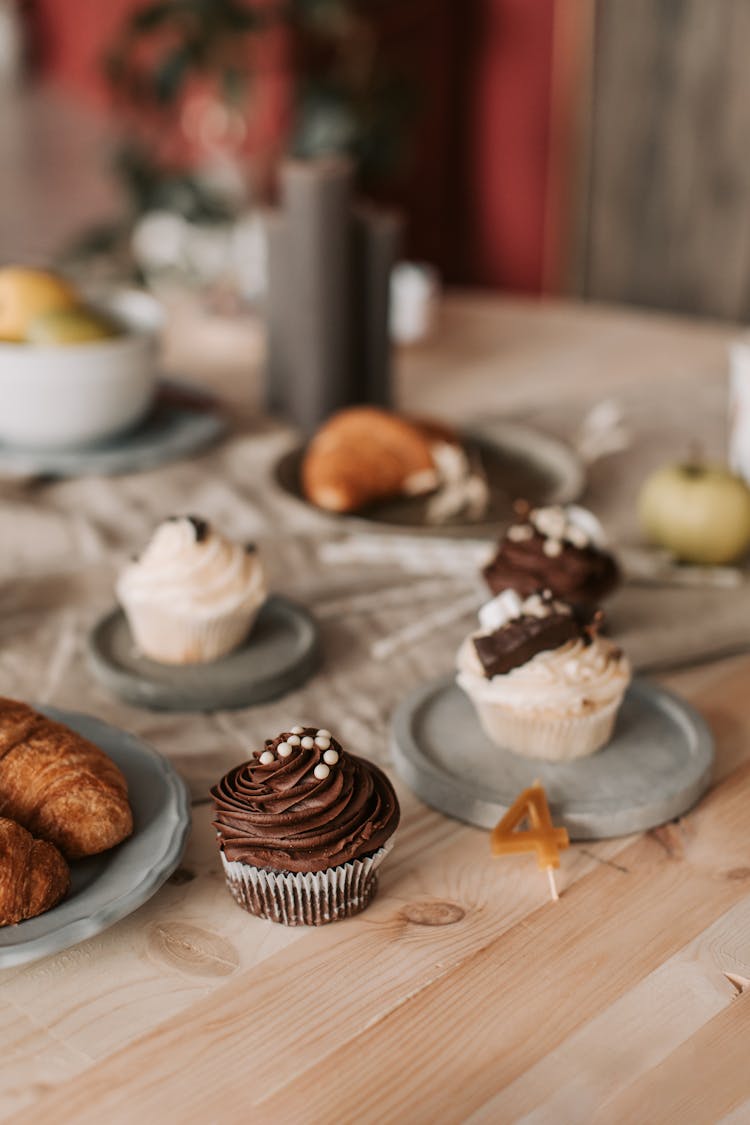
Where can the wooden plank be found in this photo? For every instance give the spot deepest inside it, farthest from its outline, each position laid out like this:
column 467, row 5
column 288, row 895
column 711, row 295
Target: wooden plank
column 670, row 196
column 33, row 1060
column 632, row 1035
column 549, row 980
column 738, row 1116
column 687, row 1086
column 363, row 1003
column 418, row 907
column 179, row 947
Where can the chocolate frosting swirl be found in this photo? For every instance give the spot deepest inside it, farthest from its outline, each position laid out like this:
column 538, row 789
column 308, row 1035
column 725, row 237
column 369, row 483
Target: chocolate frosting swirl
column 578, row 574
column 278, row 815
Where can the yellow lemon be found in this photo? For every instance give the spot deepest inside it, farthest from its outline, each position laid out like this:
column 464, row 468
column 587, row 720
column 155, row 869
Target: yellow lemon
column 24, row 293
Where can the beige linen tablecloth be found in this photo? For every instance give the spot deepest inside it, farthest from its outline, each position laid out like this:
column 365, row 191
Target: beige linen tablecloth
column 61, row 545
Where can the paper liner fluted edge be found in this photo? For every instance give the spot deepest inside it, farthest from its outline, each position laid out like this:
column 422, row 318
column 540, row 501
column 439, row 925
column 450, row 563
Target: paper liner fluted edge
column 170, row 639
column 534, row 734
column 310, row 898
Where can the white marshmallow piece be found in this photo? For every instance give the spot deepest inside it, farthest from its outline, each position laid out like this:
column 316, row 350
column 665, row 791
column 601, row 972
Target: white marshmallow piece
column 324, row 734
column 550, row 521
column 267, row 757
column 498, row 612
column 322, row 743
column 331, row 757
column 297, row 730
column 585, row 522
column 552, row 548
column 321, row 771
column 307, row 742
column 293, row 740
column 534, row 606
column 284, row 749
column 576, row 537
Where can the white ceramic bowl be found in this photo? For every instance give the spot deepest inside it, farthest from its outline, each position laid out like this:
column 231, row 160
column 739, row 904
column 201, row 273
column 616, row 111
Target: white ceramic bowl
column 58, row 396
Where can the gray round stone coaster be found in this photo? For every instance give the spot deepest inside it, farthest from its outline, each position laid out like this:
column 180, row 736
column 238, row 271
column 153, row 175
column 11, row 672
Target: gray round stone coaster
column 281, row 652
column 656, row 767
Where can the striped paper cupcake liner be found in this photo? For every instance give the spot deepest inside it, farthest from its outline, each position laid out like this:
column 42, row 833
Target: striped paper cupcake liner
column 310, row 898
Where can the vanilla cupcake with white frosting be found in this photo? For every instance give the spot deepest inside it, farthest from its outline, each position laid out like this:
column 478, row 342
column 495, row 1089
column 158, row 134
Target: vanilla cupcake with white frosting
column 544, row 682
column 193, row 595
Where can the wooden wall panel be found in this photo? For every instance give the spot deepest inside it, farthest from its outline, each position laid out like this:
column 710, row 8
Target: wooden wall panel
column 669, row 202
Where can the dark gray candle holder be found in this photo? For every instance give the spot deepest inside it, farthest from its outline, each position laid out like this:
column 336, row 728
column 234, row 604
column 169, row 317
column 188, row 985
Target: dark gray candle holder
column 329, row 266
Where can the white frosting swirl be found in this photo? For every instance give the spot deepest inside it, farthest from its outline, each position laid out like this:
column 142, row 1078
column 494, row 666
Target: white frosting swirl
column 194, row 574
column 571, row 679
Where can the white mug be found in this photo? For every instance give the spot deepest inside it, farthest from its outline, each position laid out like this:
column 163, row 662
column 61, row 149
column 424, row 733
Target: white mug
column 739, row 408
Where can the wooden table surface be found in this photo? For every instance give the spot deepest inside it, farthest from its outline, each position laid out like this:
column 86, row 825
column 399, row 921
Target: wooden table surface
column 462, row 993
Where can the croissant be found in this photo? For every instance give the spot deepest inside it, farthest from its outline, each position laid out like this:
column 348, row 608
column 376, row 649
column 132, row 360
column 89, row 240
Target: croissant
column 365, row 454
column 33, row 874
column 58, row 785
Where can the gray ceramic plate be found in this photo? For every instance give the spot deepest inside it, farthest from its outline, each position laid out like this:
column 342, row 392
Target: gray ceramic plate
column 108, row 887
column 518, row 462
column 656, row 767
column 281, row 652
column 182, row 421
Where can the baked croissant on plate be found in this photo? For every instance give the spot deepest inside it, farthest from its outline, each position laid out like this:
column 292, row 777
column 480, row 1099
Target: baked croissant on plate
column 33, row 874
column 59, row 785
column 364, row 454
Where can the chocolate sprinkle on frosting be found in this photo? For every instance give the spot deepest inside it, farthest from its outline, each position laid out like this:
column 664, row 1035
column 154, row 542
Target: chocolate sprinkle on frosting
column 281, row 816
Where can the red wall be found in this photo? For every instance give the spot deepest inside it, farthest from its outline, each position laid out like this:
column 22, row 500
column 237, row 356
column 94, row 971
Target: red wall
column 70, row 38
column 510, row 130
column 476, row 190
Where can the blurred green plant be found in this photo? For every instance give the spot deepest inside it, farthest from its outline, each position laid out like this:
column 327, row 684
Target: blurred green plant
column 349, row 96
column 187, row 37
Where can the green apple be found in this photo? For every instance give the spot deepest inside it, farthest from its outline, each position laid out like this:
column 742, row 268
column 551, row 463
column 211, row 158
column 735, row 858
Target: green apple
column 701, row 513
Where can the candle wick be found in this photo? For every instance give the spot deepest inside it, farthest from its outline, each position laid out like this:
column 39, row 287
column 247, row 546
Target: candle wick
column 552, row 885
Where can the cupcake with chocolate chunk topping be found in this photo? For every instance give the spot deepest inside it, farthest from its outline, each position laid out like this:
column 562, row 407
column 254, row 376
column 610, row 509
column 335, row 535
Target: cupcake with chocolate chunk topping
column 303, row 827
column 562, row 549
column 544, row 682
column 193, row 595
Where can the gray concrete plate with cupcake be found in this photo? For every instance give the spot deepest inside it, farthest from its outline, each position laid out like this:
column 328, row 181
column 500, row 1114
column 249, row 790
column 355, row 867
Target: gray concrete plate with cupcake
column 107, row 887
column 280, row 654
column 656, row 766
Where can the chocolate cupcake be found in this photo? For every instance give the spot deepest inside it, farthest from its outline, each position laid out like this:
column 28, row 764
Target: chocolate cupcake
column 557, row 549
column 303, row 827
